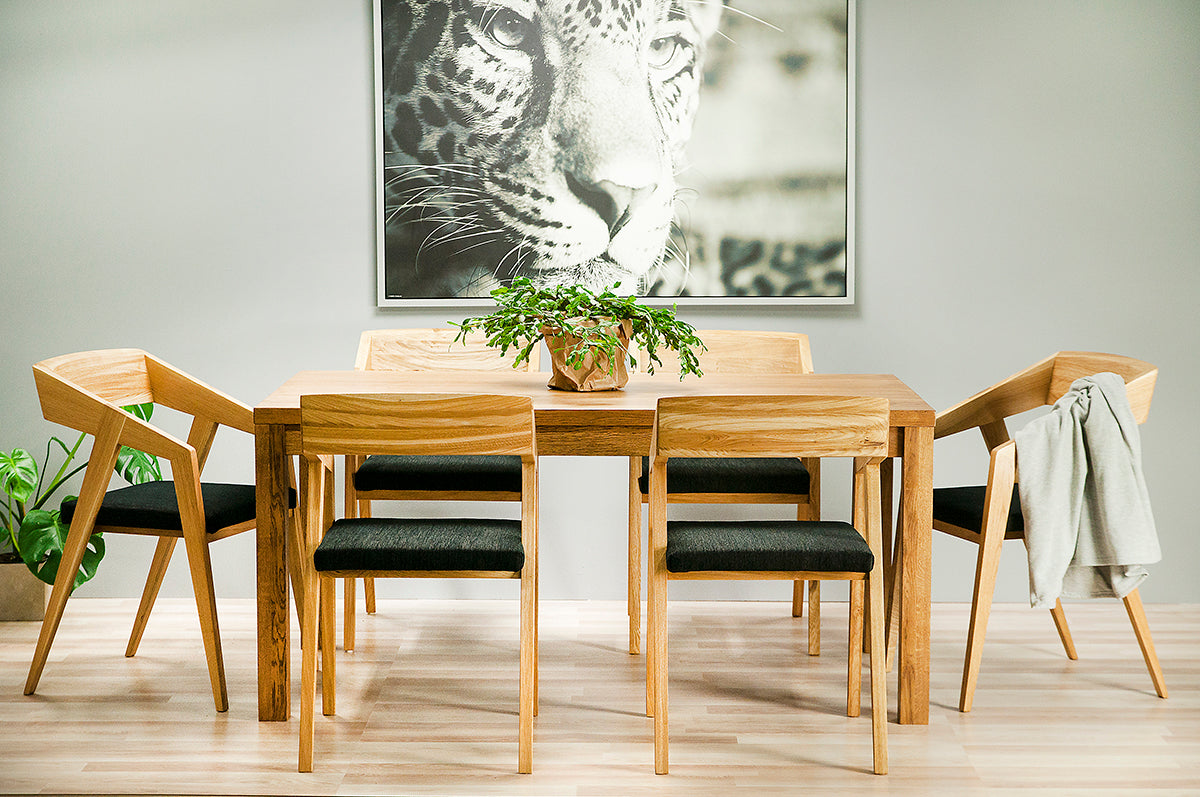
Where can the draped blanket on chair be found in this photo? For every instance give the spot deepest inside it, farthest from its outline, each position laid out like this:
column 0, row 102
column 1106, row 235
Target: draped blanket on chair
column 1088, row 524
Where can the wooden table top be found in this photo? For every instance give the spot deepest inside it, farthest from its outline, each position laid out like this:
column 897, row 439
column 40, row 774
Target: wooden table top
column 633, row 405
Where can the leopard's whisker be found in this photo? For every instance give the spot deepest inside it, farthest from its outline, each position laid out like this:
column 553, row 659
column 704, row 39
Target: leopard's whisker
column 728, row 7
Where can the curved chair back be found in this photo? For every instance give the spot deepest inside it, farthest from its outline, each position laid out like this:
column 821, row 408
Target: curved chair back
column 742, row 352
column 433, row 350
column 1044, row 383
column 771, row 426
column 417, row 424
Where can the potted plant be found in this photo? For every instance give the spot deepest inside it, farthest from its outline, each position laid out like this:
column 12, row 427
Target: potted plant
column 33, row 536
column 590, row 335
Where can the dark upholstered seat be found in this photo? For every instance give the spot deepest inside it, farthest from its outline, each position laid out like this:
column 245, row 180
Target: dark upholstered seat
column 421, row 544
column 964, row 506
column 473, row 473
column 731, row 475
column 153, row 505
column 758, row 545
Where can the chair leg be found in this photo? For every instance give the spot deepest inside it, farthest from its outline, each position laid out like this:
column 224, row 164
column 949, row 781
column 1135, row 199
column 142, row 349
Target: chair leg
column 91, row 492
column 206, row 605
column 1137, row 616
column 797, row 599
column 369, row 594
column 892, row 630
column 349, row 606
column 308, row 674
column 814, row 618
column 981, row 606
column 878, row 659
column 158, row 569
column 658, row 623
column 528, row 664
column 64, row 582
column 1064, row 631
column 854, row 663
column 327, row 628
column 635, row 557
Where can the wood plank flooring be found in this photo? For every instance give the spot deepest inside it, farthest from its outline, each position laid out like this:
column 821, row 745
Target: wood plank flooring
column 427, row 705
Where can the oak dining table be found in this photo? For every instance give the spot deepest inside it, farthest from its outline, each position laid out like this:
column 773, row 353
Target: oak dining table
column 605, row 423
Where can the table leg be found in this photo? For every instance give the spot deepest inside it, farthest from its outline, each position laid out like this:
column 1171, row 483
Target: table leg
column 916, row 485
column 274, row 627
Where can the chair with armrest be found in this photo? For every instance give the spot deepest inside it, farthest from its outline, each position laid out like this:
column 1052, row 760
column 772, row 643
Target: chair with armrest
column 989, row 514
column 86, row 391
column 433, row 477
column 793, row 550
column 756, row 480
column 414, row 425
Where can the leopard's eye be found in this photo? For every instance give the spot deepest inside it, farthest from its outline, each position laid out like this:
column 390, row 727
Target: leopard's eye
column 508, row 29
column 663, row 51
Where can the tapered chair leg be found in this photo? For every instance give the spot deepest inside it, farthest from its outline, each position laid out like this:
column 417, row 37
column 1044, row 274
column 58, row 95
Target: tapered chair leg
column 158, row 569
column 797, row 599
column 326, row 628
column 854, row 663
column 308, row 674
column 206, row 605
column 95, row 480
column 1064, row 631
column 878, row 658
column 634, row 609
column 981, row 606
column 349, row 605
column 1137, row 616
column 369, row 594
column 814, row 617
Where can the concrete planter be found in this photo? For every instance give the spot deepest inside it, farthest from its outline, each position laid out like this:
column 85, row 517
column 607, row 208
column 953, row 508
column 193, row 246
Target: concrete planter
column 22, row 596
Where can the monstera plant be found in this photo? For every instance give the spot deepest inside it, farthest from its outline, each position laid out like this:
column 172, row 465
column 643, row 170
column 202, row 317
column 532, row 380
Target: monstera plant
column 591, row 336
column 35, row 534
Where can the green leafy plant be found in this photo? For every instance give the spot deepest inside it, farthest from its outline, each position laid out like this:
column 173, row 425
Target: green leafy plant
column 36, row 535
column 525, row 313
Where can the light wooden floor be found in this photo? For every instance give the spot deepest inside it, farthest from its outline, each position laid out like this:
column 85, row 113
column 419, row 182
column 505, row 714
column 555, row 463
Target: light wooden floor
column 427, row 705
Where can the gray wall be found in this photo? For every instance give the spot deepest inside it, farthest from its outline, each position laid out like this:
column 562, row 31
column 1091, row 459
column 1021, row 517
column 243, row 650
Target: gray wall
column 195, row 178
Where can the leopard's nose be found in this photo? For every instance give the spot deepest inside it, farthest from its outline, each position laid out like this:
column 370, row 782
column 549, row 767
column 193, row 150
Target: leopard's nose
column 613, row 203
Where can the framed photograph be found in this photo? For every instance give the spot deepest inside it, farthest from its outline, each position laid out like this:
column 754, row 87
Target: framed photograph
column 693, row 151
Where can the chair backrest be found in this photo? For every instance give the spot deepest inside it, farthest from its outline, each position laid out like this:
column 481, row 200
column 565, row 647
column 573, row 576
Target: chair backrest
column 433, row 350
column 73, row 387
column 771, row 426
column 416, row 423
column 1041, row 384
column 86, row 389
column 743, row 352
column 1139, row 376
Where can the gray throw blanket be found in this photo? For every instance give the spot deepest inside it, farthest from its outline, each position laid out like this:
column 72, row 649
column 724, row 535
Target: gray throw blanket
column 1088, row 525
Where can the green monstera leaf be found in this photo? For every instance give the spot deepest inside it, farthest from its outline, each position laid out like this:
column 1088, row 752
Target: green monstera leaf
column 18, row 474
column 138, row 467
column 42, row 538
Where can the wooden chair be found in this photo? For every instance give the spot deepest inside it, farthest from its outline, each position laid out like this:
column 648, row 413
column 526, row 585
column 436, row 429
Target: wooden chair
column 778, row 426
column 86, row 391
column 414, row 425
column 733, row 481
column 987, row 515
column 431, row 478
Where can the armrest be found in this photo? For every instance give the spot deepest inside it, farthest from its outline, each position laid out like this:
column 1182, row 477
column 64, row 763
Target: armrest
column 1022, row 391
column 175, row 389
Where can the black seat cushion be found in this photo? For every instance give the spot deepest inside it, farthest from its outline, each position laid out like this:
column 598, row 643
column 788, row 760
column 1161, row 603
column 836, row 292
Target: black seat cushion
column 421, row 544
column 820, row 545
column 458, row 472
column 153, row 505
column 731, row 475
column 963, row 507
